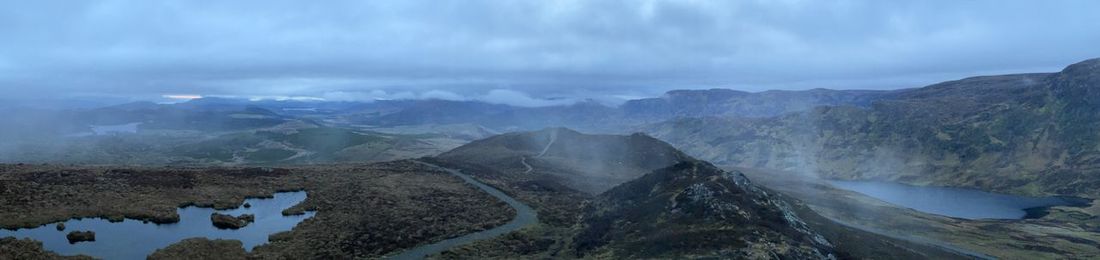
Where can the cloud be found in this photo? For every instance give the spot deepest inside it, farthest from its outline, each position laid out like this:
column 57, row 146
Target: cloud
column 442, row 95
column 568, row 48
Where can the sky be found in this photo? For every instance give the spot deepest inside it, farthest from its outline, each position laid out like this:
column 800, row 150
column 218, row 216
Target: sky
column 525, row 52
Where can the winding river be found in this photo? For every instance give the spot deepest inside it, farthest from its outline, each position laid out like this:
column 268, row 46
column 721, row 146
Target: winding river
column 525, row 216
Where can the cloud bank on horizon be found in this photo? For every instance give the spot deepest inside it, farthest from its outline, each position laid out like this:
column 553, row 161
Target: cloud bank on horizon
column 523, row 52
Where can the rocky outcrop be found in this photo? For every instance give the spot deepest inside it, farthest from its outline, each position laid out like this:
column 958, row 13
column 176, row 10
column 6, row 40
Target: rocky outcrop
column 695, row 210
column 80, row 236
column 13, row 248
column 202, row 248
column 223, row 221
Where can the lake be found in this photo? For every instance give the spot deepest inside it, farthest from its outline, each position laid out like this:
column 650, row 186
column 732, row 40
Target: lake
column 109, row 130
column 958, row 202
column 133, row 239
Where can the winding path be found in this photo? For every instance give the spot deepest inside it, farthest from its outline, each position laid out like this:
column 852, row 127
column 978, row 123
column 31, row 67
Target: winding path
column 523, row 159
column 525, row 216
column 553, row 137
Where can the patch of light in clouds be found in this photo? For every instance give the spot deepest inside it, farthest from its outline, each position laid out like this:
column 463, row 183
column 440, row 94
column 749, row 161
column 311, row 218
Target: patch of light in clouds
column 182, row 96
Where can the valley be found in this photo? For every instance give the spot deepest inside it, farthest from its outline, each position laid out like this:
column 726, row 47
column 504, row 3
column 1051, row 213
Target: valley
column 544, row 130
column 985, row 167
column 1065, row 232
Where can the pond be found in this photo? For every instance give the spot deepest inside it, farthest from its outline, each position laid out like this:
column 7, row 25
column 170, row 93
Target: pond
column 129, row 128
column 958, row 202
column 133, row 239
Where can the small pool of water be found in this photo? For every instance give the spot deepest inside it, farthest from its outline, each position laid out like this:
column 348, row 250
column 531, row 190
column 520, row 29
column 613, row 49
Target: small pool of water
column 133, row 239
column 129, row 128
column 958, row 202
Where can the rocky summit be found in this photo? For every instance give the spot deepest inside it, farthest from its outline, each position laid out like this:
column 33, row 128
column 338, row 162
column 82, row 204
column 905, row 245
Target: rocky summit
column 693, row 209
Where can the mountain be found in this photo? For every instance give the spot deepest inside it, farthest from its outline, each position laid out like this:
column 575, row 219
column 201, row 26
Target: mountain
column 1034, row 134
column 634, row 196
column 594, row 116
column 588, row 163
column 733, row 103
column 694, row 210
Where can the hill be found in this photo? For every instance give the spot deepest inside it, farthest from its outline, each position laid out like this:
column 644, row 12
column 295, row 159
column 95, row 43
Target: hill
column 1033, row 134
column 633, row 196
column 588, row 163
column 695, row 210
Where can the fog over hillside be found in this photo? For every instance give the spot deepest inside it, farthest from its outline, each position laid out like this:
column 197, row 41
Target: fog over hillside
column 566, row 129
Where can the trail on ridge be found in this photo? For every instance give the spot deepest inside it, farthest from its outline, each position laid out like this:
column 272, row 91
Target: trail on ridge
column 523, row 159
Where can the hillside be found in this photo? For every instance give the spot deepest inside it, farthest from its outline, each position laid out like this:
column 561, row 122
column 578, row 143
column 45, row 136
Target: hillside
column 588, row 163
column 693, row 209
column 633, row 196
column 1033, row 134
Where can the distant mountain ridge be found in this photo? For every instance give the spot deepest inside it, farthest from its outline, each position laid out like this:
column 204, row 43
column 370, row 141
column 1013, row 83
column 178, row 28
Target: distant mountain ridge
column 733, row 103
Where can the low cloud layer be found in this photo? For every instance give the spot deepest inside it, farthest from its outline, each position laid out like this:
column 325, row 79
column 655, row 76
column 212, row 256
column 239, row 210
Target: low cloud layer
column 526, row 52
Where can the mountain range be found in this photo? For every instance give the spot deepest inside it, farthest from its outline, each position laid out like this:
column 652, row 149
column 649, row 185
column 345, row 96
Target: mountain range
column 1033, row 134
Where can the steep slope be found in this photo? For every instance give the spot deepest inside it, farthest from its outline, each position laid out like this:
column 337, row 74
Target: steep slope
column 693, row 209
column 1031, row 134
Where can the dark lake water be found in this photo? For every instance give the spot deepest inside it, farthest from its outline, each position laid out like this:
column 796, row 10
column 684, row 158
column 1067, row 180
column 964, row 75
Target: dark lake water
column 132, row 239
column 956, row 202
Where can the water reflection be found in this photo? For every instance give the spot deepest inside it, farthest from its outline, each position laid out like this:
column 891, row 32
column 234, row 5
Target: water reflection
column 132, row 239
column 955, row 202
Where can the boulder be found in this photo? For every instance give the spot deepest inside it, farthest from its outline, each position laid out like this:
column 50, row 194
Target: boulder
column 224, row 221
column 80, row 236
column 60, row 226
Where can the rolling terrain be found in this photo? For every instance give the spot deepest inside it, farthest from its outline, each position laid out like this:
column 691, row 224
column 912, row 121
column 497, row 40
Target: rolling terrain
column 667, row 197
column 610, row 195
column 363, row 210
column 1031, row 134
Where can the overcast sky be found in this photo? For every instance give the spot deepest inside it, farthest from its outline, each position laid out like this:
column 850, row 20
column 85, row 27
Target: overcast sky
column 340, row 50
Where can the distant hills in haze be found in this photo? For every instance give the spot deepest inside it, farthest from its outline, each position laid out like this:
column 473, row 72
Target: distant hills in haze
column 1025, row 133
column 1036, row 134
